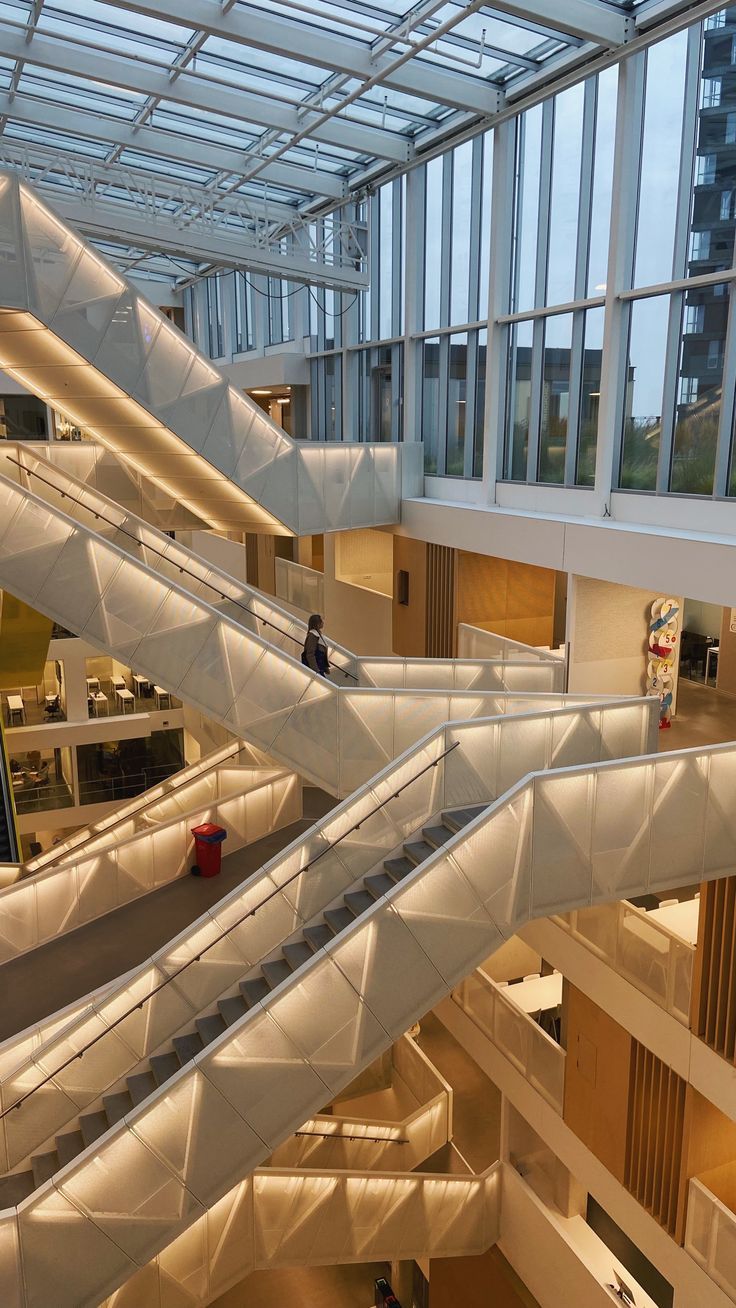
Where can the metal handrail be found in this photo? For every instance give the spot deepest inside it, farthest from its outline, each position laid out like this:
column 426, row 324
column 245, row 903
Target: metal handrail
column 371, row 1139
column 202, row 581
column 96, row 835
column 223, row 934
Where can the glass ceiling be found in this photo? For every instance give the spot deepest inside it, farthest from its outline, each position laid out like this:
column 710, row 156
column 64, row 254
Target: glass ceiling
column 288, row 103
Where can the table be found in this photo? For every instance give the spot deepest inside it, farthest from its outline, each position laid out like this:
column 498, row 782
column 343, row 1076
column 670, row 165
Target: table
column 16, row 705
column 118, row 683
column 98, row 699
column 126, row 697
column 142, row 684
column 681, row 919
column 93, row 683
column 162, row 695
column 536, row 996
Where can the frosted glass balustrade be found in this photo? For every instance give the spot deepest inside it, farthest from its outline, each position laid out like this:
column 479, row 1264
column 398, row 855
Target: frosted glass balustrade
column 512, row 668
column 299, row 893
column 84, row 338
column 286, row 1218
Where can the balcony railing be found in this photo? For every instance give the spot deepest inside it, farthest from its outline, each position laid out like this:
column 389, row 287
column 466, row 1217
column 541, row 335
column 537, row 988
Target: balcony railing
column 710, row 1236
column 302, row 587
column 653, row 959
column 517, row 1035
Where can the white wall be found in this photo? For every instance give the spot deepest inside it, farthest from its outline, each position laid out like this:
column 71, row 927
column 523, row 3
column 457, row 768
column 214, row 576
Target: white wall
column 357, row 618
column 608, row 630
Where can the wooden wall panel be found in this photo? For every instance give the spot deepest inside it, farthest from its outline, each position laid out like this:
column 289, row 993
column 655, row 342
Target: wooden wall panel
column 441, row 627
column 477, row 1283
column 409, row 621
column 656, row 1116
column 513, row 599
column 597, row 1079
column 713, row 1011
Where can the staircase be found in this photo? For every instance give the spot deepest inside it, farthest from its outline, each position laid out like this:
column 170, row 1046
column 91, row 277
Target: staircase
column 291, row 956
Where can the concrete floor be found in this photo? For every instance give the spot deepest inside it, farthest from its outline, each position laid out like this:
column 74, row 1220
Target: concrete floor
column 307, row 1287
column 704, row 717
column 49, row 978
column 476, row 1113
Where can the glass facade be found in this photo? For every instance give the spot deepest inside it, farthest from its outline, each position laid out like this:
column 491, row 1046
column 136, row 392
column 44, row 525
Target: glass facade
column 650, row 358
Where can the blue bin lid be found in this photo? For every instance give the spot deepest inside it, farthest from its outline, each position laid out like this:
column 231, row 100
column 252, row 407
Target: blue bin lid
column 209, row 833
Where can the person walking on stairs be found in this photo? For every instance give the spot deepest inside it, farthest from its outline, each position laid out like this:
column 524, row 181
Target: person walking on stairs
column 314, row 654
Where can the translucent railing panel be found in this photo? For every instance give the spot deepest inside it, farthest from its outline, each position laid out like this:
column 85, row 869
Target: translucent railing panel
column 107, row 873
column 281, row 1218
column 654, row 959
column 475, row 643
column 116, row 365
column 253, row 611
column 539, row 1058
column 710, row 1235
column 370, row 826
column 302, row 587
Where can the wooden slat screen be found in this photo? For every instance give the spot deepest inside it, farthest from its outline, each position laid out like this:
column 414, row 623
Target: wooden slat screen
column 655, row 1132
column 713, row 1016
column 440, row 602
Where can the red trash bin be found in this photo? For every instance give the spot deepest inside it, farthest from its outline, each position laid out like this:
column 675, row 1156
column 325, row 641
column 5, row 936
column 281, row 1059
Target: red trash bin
column 208, row 840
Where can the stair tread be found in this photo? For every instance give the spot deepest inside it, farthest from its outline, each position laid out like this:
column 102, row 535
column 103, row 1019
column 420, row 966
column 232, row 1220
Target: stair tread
column 457, row 818
column 164, row 1066
column 210, row 1027
column 44, row 1166
column 254, row 990
column 93, row 1125
column 437, row 835
column 141, row 1085
column 15, row 1188
column 232, row 1008
column 398, row 868
column 418, row 851
column 296, row 953
column 317, row 936
column 116, row 1106
column 276, row 971
column 188, row 1046
column 358, row 901
column 68, row 1146
column 379, row 884
column 338, row 919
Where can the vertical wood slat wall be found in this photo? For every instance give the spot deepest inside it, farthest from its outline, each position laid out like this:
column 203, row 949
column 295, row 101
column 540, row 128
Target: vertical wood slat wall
column 655, row 1134
column 440, row 602
column 713, row 1015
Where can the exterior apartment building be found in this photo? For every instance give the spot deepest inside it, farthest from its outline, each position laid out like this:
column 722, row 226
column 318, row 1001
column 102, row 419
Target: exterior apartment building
column 423, row 321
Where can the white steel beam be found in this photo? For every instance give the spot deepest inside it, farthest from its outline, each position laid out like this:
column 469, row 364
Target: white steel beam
column 323, row 48
column 111, row 222
column 170, row 145
column 589, row 20
column 192, row 91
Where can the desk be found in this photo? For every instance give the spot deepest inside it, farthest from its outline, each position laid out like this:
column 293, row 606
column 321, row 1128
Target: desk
column 118, row 683
column 142, row 684
column 126, row 697
column 93, row 683
column 98, row 699
column 536, row 996
column 162, row 695
column 16, row 707
column 681, row 919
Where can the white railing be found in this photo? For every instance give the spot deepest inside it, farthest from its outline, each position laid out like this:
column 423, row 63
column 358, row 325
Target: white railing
column 283, row 1218
column 486, row 759
column 477, row 643
column 300, row 586
column 361, row 1143
column 539, row 1058
column 249, row 802
column 646, row 953
column 710, row 1236
column 554, row 842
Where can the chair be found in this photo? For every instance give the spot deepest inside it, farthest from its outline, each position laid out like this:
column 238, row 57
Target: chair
column 52, row 708
column 668, row 903
column 533, row 976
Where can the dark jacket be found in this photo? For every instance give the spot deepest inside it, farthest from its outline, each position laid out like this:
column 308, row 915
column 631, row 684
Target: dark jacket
column 315, row 653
